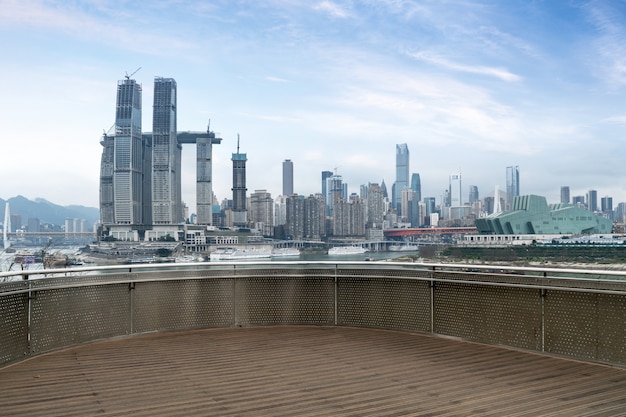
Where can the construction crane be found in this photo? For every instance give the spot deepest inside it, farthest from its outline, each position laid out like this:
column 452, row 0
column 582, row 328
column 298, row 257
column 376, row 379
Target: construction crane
column 134, row 72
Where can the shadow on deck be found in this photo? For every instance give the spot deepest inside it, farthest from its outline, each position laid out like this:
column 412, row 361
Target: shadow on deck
column 305, row 371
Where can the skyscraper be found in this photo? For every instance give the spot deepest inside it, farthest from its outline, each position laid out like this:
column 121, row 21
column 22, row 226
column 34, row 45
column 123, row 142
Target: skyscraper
column 287, row 177
column 166, row 155
column 456, row 195
column 592, row 200
column 334, row 190
column 122, row 172
column 512, row 184
column 473, row 194
column 565, row 194
column 402, row 176
column 239, row 188
column 416, row 186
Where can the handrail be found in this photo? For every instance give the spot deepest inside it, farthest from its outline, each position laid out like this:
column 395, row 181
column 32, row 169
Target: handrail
column 543, row 309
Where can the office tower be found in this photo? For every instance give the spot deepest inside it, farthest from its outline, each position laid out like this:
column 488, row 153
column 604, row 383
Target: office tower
column 402, row 176
column 606, row 204
column 592, row 200
column 416, row 185
column 579, row 200
column 455, row 193
column 405, row 204
column 334, row 192
column 383, row 189
column 565, row 194
column 239, row 188
column 122, row 167
column 287, row 177
column 512, row 185
column 473, row 194
column 375, row 207
column 620, row 213
column 431, row 205
column 325, row 176
column 166, row 155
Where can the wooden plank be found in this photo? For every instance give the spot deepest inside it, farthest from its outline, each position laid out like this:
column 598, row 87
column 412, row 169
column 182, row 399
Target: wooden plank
column 286, row 371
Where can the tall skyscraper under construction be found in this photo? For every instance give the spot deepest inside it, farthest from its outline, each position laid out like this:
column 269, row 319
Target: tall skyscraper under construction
column 239, row 188
column 122, row 165
column 166, row 155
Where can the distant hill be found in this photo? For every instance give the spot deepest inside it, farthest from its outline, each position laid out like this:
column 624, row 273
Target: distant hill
column 48, row 212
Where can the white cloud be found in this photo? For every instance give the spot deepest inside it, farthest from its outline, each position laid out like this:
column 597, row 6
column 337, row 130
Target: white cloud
column 500, row 73
column 331, row 8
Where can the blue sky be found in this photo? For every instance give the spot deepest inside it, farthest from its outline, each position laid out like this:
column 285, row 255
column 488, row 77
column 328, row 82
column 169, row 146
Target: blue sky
column 470, row 86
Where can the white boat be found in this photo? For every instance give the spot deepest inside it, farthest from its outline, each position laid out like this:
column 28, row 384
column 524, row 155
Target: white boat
column 238, row 254
column 283, row 252
column 346, row 250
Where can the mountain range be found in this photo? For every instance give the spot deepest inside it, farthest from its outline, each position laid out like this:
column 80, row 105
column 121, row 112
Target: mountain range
column 47, row 212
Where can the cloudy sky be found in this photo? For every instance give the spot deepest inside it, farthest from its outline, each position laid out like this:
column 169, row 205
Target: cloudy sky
column 472, row 86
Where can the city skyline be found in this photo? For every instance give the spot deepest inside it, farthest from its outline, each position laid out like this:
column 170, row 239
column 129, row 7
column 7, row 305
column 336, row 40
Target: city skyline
column 471, row 88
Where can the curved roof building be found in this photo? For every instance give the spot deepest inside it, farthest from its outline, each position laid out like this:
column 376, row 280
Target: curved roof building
column 531, row 214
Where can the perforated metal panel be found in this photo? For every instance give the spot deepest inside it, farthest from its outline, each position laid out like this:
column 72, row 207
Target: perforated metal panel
column 384, row 303
column 498, row 315
column 13, row 327
column 612, row 328
column 282, row 301
column 571, row 324
column 67, row 316
column 185, row 304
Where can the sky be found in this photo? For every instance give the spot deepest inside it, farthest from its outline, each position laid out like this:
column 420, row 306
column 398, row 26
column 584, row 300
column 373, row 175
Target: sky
column 471, row 86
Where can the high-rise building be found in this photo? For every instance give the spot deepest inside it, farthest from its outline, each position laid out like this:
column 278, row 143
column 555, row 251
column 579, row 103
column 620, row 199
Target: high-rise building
column 166, row 155
column 416, row 186
column 565, row 194
column 512, row 185
column 592, row 201
column 334, row 192
column 455, row 189
column 325, row 176
column 123, row 169
column 349, row 217
column 606, row 204
column 262, row 211
column 375, row 207
column 402, row 176
column 473, row 194
column 287, row 177
column 295, row 217
column 314, row 217
column 239, row 188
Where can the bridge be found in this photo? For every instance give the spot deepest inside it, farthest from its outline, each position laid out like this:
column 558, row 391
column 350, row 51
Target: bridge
column 313, row 338
column 424, row 231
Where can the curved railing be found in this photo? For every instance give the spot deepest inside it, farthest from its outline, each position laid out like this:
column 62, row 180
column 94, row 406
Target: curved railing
column 574, row 313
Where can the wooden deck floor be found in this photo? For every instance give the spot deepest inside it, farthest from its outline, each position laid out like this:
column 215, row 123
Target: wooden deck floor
column 305, row 371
